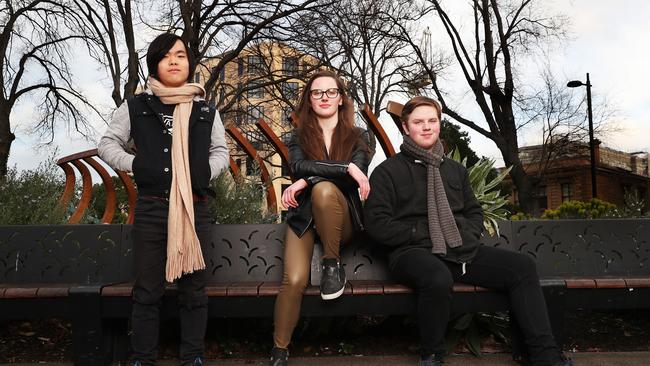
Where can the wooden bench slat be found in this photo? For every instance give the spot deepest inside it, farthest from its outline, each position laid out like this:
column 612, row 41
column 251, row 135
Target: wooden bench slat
column 367, row 287
column 312, row 291
column 580, row 283
column 395, row 288
column 243, row 289
column 52, row 291
column 270, row 288
column 610, row 283
column 20, row 292
column 637, row 282
column 463, row 287
column 118, row 290
column 216, row 289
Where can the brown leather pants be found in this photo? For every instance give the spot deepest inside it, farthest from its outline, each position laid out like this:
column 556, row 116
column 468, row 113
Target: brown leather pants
column 334, row 226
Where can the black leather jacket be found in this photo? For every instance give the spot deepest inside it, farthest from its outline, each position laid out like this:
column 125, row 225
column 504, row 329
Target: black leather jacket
column 300, row 218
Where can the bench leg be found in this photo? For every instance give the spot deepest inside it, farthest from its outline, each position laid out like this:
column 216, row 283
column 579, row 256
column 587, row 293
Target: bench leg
column 87, row 330
column 116, row 341
column 555, row 303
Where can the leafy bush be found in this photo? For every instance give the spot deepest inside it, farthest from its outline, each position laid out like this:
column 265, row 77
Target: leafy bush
column 32, row 196
column 634, row 206
column 521, row 216
column 98, row 203
column 573, row 209
column 239, row 201
column 491, row 199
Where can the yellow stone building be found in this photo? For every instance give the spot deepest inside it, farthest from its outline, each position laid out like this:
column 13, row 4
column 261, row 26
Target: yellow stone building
column 264, row 81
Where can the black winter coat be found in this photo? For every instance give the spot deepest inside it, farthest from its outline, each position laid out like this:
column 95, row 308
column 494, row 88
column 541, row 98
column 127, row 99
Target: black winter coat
column 300, row 218
column 396, row 210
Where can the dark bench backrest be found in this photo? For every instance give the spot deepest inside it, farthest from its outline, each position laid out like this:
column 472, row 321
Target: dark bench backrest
column 244, row 253
column 561, row 248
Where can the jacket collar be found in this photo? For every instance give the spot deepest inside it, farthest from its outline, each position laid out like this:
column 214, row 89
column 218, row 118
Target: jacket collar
column 411, row 159
column 154, row 105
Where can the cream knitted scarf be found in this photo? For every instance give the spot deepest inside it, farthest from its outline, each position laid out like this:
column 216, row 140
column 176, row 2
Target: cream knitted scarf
column 183, row 247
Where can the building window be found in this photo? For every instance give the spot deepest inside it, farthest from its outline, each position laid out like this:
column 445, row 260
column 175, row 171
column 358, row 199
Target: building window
column 197, row 77
column 254, row 113
column 285, row 173
column 567, row 191
column 290, row 90
column 251, row 166
column 286, row 116
column 255, row 137
column 255, row 65
column 306, row 67
column 255, row 91
column 240, row 67
column 542, row 199
column 290, row 66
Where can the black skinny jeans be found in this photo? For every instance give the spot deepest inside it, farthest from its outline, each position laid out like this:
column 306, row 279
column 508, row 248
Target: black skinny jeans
column 493, row 268
column 150, row 252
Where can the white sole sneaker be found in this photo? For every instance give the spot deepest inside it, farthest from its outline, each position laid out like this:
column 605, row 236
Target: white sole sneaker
column 334, row 295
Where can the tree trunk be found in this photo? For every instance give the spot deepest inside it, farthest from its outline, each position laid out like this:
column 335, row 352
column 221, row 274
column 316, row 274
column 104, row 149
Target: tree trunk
column 510, row 152
column 6, row 138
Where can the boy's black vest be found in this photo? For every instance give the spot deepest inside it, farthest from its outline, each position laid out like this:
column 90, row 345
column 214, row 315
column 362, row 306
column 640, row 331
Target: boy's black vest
column 152, row 166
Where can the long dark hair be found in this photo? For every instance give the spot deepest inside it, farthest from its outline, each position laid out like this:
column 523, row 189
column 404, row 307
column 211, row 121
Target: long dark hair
column 311, row 135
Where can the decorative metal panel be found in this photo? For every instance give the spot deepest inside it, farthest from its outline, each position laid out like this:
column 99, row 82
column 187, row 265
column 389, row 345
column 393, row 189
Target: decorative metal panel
column 59, row 253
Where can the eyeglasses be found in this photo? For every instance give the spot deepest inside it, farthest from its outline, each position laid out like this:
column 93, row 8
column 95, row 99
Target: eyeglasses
column 318, row 94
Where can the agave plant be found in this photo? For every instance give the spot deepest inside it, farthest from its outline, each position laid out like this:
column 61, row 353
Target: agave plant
column 490, row 199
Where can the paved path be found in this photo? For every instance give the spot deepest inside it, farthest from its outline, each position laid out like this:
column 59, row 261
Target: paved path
column 502, row 359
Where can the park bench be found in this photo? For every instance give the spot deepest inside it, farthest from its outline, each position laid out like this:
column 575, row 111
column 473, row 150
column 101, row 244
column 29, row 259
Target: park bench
column 83, row 272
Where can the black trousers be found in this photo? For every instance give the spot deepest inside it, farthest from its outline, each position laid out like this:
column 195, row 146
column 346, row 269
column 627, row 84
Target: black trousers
column 511, row 272
column 150, row 254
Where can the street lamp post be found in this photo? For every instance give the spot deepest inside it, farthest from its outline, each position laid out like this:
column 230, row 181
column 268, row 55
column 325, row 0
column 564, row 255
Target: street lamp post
column 592, row 148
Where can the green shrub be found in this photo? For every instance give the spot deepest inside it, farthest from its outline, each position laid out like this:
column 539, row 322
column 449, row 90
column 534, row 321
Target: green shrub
column 634, row 205
column 239, row 201
column 98, row 203
column 484, row 187
column 32, row 196
column 573, row 209
column 521, row 216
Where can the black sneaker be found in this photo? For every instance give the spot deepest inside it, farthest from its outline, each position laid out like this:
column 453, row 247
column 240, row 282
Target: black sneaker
column 198, row 361
column 279, row 357
column 332, row 282
column 431, row 360
column 564, row 361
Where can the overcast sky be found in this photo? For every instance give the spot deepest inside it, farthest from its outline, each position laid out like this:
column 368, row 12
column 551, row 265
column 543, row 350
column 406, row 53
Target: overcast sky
column 610, row 40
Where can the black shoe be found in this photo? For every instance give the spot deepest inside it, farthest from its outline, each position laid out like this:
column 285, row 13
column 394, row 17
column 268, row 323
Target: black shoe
column 198, row 361
column 332, row 282
column 279, row 357
column 565, row 361
column 431, row 360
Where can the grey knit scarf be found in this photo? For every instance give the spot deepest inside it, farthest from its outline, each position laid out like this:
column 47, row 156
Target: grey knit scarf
column 442, row 226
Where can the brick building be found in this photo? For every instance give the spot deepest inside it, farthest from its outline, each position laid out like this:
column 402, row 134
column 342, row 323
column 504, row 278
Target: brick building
column 565, row 174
